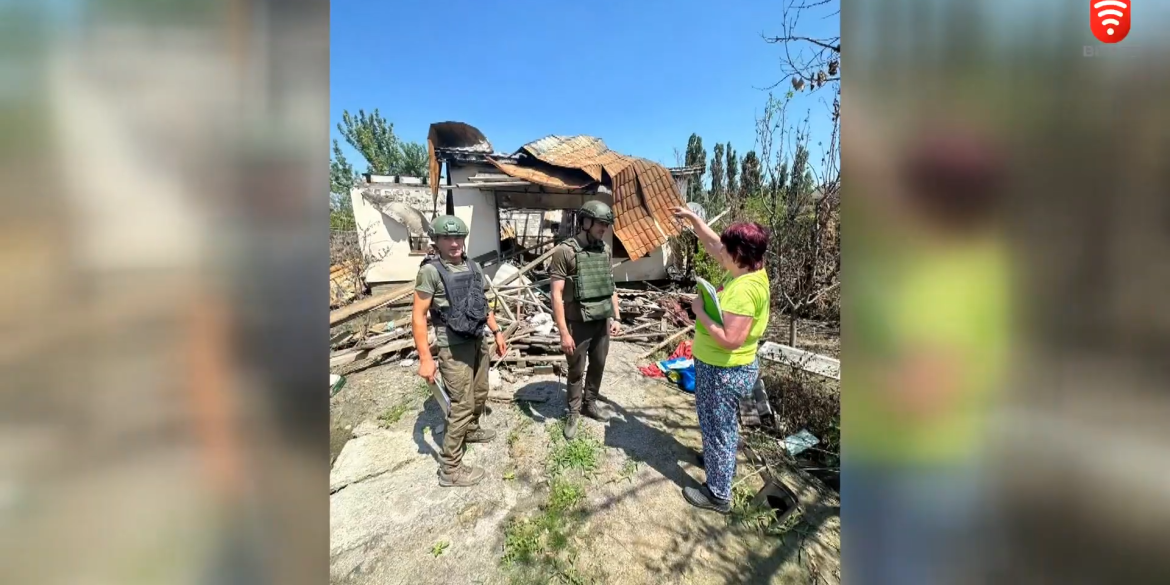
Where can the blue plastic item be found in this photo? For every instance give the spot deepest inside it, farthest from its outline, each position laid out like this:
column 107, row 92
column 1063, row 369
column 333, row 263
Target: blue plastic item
column 681, row 371
column 686, row 379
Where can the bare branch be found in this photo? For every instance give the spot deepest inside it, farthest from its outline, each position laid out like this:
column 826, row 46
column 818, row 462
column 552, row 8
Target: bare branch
column 823, row 43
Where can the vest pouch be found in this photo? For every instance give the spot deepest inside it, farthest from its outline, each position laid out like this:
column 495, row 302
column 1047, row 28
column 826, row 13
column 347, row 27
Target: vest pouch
column 597, row 310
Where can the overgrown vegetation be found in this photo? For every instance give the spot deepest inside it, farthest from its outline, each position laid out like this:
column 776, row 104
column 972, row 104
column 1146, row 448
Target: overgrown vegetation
column 778, row 184
column 761, row 518
column 540, row 548
column 347, row 252
column 393, row 414
column 803, row 401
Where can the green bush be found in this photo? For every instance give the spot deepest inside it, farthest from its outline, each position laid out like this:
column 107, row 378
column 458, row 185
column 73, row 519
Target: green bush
column 708, row 268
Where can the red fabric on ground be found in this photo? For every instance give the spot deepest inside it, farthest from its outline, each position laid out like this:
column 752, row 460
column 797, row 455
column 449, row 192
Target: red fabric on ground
column 651, row 371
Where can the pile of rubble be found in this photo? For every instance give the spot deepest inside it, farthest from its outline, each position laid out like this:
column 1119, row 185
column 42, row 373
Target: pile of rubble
column 525, row 313
column 523, row 308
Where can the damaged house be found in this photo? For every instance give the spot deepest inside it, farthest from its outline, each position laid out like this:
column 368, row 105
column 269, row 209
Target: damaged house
column 518, row 204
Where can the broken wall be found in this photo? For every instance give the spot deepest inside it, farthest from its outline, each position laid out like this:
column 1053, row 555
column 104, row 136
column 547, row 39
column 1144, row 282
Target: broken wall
column 382, row 235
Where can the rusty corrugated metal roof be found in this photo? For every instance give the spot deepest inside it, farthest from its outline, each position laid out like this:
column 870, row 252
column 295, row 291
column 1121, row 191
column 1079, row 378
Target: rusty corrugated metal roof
column 587, row 153
column 452, row 136
column 544, row 174
column 643, row 191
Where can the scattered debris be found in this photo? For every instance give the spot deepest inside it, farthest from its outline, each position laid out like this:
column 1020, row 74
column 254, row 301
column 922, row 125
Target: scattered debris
column 335, row 383
column 801, row 359
column 800, row 442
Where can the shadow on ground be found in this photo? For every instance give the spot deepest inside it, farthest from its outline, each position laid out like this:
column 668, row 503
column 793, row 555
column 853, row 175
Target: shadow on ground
column 430, row 417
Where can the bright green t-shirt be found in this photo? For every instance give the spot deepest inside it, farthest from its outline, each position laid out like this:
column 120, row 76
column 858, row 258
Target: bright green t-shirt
column 746, row 295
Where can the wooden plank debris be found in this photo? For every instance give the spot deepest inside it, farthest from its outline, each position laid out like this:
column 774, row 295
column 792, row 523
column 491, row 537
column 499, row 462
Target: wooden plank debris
column 798, row 358
column 339, row 316
column 668, row 341
column 347, row 356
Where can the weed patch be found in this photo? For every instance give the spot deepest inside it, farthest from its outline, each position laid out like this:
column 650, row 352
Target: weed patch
column 518, row 430
column 540, row 548
column 393, row 414
column 439, row 548
column 581, row 454
column 629, row 469
column 761, row 519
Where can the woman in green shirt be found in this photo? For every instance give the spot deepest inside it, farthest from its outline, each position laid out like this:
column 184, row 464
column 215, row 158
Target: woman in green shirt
column 725, row 352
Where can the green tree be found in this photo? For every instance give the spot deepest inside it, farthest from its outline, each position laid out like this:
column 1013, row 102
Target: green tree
column 800, row 179
column 750, row 176
column 373, row 137
column 696, row 156
column 341, row 174
column 341, row 180
column 717, row 177
column 732, row 167
column 414, row 162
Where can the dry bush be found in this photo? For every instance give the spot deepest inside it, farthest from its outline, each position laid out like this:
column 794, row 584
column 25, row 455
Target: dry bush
column 802, row 400
column 346, row 251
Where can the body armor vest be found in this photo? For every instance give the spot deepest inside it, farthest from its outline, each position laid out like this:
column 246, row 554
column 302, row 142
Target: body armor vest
column 467, row 306
column 593, row 285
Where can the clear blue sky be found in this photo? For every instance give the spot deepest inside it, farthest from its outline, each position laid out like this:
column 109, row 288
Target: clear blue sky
column 641, row 75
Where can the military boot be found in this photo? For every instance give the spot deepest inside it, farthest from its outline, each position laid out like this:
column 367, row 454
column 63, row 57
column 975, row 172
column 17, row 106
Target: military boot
column 595, row 411
column 462, row 476
column 571, row 426
column 480, row 435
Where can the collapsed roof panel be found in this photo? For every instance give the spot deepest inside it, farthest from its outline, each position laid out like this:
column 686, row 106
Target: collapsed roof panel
column 643, row 191
column 545, row 174
column 587, row 153
column 456, row 136
column 633, row 224
column 660, row 194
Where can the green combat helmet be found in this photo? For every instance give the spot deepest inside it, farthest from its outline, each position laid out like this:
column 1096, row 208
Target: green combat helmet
column 448, row 225
column 598, row 211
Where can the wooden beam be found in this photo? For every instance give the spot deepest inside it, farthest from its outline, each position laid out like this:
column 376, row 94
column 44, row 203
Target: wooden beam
column 534, row 358
column 346, row 357
column 527, row 268
column 339, row 316
column 808, row 361
column 491, row 185
column 668, row 341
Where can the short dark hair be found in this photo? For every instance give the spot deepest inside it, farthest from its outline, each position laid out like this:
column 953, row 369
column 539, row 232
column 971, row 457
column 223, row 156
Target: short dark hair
column 747, row 242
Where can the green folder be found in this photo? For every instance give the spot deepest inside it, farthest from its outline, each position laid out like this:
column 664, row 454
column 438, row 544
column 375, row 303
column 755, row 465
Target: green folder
column 710, row 300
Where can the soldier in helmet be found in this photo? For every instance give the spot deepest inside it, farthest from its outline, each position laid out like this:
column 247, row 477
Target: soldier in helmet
column 585, row 307
column 453, row 290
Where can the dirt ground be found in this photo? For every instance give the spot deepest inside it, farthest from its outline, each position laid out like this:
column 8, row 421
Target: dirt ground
column 392, row 523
